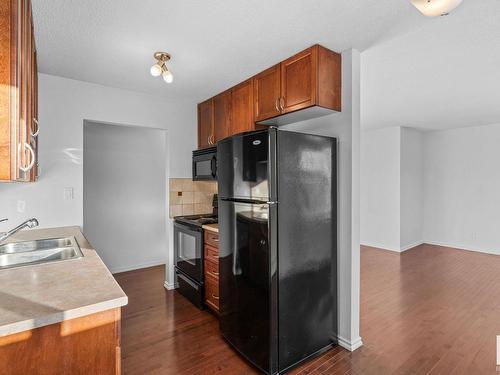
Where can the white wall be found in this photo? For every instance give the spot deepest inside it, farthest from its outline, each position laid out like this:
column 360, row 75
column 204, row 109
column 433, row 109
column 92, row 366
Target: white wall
column 392, row 188
column 345, row 126
column 380, row 200
column 462, row 188
column 64, row 104
column 441, row 75
column 125, row 194
column 412, row 188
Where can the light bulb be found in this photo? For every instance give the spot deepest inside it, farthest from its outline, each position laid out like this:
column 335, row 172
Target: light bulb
column 167, row 76
column 156, row 70
column 435, row 8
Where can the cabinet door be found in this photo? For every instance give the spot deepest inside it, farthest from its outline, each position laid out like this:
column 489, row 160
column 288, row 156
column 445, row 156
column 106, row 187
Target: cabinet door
column 222, row 115
column 205, row 123
column 266, row 93
column 242, row 108
column 34, row 108
column 299, row 80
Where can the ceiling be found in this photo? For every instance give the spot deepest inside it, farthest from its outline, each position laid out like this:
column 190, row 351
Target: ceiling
column 214, row 44
column 416, row 71
column 444, row 75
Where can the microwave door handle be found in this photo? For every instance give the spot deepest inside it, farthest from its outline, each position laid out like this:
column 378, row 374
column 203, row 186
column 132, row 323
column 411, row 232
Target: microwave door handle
column 213, row 166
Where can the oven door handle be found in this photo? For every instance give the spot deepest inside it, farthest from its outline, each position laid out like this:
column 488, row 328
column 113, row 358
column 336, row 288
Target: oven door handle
column 187, row 280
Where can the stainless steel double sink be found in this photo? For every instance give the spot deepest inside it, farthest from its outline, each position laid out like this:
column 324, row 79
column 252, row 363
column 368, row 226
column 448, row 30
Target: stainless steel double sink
column 25, row 253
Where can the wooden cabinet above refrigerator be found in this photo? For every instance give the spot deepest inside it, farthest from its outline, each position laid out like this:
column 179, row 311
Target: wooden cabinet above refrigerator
column 304, row 86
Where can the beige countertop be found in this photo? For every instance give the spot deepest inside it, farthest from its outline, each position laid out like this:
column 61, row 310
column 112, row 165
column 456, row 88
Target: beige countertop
column 38, row 295
column 211, row 227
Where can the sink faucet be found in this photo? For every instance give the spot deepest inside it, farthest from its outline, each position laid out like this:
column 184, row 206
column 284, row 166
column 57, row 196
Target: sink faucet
column 30, row 223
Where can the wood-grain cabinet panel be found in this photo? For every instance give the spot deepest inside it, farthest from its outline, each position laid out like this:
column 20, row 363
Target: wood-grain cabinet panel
column 18, row 93
column 86, row 345
column 310, row 78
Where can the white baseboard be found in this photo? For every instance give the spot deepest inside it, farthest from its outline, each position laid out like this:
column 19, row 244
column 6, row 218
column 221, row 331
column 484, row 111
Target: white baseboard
column 350, row 345
column 169, row 286
column 380, row 246
column 138, row 266
column 409, row 247
column 393, row 249
column 462, row 247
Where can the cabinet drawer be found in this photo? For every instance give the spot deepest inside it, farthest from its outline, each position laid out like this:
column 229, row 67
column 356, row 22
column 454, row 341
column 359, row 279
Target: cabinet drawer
column 212, row 292
column 212, row 239
column 212, row 254
column 211, row 268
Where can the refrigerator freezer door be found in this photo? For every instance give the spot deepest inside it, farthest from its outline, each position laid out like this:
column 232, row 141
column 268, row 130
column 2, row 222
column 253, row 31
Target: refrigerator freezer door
column 243, row 166
column 307, row 245
column 245, row 291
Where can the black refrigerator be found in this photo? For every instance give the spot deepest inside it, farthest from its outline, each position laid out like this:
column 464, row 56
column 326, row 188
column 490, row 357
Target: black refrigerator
column 278, row 246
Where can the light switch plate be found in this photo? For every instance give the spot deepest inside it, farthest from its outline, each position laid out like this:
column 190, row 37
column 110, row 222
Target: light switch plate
column 68, row 193
column 21, row 206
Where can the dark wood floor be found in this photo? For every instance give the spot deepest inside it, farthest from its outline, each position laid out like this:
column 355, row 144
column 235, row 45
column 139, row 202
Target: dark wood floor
column 432, row 310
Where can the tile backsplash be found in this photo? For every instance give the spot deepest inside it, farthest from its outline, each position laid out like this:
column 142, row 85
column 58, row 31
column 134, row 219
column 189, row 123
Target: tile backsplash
column 188, row 197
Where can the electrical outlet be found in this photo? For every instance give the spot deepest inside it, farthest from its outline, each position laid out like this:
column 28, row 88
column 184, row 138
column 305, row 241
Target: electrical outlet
column 21, row 206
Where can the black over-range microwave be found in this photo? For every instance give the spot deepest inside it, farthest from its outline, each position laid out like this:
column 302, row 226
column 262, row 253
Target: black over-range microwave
column 205, row 164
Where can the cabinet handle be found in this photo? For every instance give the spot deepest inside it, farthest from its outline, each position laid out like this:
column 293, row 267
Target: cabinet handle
column 214, row 296
column 208, row 139
column 282, row 103
column 35, row 134
column 32, row 162
column 213, row 139
column 276, row 105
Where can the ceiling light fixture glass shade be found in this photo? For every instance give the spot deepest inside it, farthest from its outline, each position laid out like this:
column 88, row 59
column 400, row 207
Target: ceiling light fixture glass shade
column 160, row 68
column 435, row 8
column 167, row 76
column 156, row 70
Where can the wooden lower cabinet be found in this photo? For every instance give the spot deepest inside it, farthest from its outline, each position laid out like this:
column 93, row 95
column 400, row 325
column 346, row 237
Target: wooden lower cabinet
column 86, row 345
column 212, row 292
column 211, row 263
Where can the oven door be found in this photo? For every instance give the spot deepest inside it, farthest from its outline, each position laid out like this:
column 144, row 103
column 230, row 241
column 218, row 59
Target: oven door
column 205, row 167
column 188, row 242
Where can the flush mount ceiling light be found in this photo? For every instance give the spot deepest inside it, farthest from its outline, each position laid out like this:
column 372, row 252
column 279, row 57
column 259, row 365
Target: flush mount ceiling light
column 160, row 68
column 435, row 8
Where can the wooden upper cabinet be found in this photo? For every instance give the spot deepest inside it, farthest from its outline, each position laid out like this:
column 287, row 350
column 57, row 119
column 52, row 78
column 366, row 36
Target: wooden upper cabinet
column 329, row 79
column 205, row 124
column 222, row 115
column 242, row 108
column 298, row 81
column 305, row 86
column 267, row 92
column 18, row 93
column 311, row 79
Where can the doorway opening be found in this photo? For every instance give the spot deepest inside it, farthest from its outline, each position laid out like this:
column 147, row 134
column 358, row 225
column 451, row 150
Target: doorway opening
column 125, row 194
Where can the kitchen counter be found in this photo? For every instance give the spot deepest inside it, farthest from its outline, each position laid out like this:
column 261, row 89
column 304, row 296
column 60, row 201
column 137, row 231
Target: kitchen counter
column 38, row 295
column 211, row 227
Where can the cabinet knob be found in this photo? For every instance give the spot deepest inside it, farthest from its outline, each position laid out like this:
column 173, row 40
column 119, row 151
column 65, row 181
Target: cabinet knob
column 35, row 134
